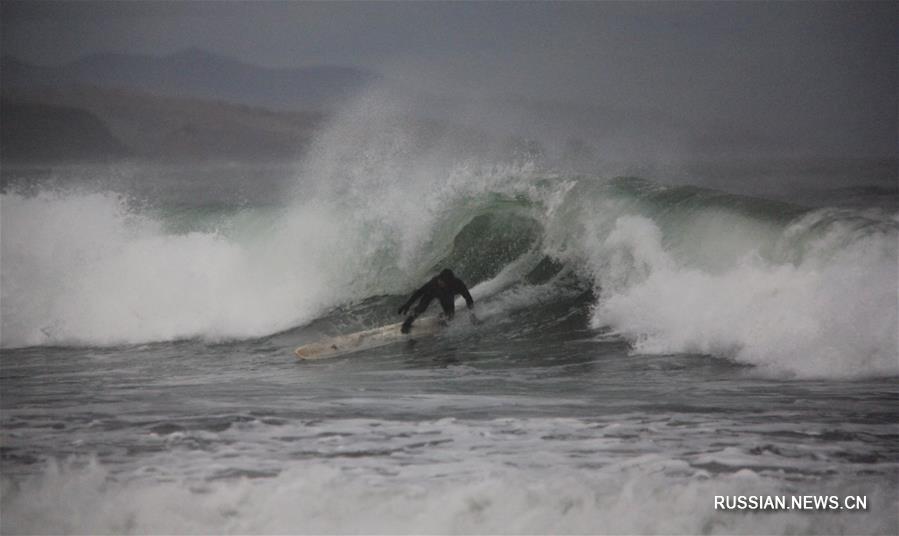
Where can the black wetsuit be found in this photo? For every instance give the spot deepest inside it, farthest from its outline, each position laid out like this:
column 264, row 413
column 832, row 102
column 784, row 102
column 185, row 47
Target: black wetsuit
column 444, row 294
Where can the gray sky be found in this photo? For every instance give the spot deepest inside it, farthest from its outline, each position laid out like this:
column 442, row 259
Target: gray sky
column 812, row 70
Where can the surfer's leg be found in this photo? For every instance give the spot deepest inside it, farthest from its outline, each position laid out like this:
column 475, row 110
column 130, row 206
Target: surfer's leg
column 449, row 310
column 420, row 308
column 407, row 325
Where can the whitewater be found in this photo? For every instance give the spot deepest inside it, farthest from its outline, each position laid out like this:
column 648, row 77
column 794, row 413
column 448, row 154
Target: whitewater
column 645, row 345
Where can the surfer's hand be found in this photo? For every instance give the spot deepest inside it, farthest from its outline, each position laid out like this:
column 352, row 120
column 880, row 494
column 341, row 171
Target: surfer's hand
column 402, row 310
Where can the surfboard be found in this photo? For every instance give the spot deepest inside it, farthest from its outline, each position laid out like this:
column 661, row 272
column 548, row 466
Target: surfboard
column 363, row 340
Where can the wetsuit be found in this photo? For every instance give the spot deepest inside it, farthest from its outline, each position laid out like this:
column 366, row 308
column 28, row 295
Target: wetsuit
column 443, row 293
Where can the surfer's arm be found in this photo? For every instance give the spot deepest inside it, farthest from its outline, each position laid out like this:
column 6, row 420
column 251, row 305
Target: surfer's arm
column 469, row 301
column 463, row 290
column 418, row 293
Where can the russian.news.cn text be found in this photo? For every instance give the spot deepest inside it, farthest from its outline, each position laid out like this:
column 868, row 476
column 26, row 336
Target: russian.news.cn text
column 791, row 502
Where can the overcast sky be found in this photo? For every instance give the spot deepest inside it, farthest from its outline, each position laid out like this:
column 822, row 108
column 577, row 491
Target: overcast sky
column 825, row 70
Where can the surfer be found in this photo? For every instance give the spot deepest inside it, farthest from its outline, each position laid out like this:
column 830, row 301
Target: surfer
column 444, row 287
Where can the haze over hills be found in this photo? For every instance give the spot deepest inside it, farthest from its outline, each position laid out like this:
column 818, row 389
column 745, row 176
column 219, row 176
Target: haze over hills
column 196, row 104
column 144, row 125
column 188, row 105
column 199, row 74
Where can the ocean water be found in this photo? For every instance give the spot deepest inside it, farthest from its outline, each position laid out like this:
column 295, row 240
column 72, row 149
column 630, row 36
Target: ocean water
column 644, row 346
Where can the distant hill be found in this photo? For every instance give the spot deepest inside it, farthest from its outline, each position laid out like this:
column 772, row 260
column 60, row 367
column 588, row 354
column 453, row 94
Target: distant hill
column 199, row 74
column 145, row 125
column 35, row 132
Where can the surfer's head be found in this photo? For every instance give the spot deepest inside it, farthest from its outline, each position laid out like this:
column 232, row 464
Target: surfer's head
column 445, row 277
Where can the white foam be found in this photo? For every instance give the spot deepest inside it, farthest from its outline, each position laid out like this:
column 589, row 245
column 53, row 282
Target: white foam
column 85, row 269
column 832, row 313
column 644, row 495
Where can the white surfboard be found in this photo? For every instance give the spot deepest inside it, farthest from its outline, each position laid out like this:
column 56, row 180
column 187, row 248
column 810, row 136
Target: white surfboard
column 363, row 340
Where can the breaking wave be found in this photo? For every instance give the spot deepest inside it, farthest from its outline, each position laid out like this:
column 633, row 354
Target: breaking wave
column 673, row 269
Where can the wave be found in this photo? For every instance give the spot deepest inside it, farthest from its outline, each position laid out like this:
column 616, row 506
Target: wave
column 674, row 269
